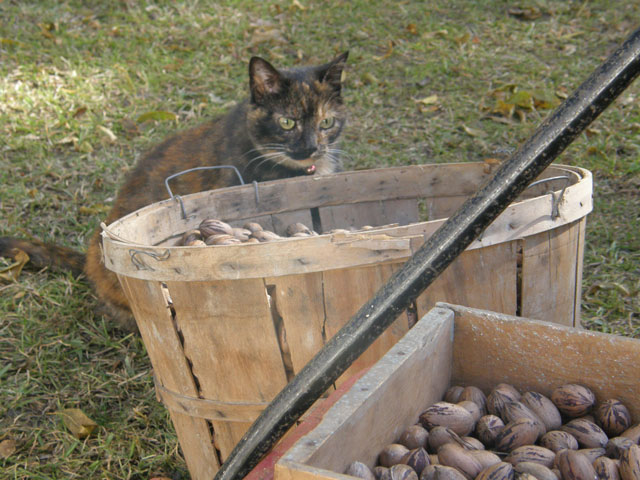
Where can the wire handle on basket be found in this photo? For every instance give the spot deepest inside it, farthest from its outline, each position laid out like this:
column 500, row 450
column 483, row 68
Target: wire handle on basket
column 555, row 200
column 210, row 167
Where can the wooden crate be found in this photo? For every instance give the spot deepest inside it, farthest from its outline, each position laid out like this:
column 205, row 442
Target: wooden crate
column 226, row 327
column 454, row 345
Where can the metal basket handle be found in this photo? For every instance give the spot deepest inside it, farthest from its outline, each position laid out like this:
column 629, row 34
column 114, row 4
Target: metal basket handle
column 555, row 200
column 211, row 167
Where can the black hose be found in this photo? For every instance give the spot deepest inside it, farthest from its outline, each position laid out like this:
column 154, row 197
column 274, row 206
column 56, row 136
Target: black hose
column 510, row 179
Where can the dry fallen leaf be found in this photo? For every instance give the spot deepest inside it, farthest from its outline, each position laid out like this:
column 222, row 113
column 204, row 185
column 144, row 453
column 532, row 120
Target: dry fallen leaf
column 525, row 13
column 110, row 135
column 430, row 100
column 12, row 272
column 387, row 54
column 489, row 163
column 7, row 448
column 97, row 209
column 474, row 132
column 77, row 422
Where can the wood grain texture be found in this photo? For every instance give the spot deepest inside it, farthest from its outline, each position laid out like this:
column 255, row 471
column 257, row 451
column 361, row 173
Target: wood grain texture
column 299, row 300
column 380, row 404
column 345, row 291
column 539, row 356
column 549, row 274
column 172, row 372
column 577, row 313
column 356, row 215
column 230, row 341
column 481, row 278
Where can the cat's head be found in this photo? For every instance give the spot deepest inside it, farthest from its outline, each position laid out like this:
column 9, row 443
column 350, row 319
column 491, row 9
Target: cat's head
column 296, row 116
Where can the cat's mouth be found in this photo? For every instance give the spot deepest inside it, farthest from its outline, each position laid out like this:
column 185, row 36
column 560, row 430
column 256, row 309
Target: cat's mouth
column 309, row 165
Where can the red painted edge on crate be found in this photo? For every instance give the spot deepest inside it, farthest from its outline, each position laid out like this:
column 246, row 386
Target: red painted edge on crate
column 264, row 470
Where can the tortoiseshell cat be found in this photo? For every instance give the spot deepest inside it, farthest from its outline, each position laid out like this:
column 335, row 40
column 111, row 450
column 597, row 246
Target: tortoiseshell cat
column 289, row 126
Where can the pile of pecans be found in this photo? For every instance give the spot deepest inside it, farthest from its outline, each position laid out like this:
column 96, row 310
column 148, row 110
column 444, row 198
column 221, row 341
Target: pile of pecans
column 509, row 435
column 212, row 231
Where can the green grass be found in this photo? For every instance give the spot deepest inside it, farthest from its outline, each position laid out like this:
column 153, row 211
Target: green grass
column 76, row 76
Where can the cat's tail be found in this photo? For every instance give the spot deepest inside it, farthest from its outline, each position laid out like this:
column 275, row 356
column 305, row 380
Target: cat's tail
column 44, row 254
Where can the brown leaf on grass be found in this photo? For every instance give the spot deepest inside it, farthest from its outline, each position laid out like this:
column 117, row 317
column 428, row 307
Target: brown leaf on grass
column 474, row 132
column 386, row 54
column 7, row 448
column 412, row 29
column 48, row 30
column 111, row 137
column 430, row 100
column 267, row 34
column 97, row 209
column 489, row 163
column 79, row 112
column 130, row 128
column 525, row 13
column 522, row 99
column 503, row 108
column 544, row 100
column 428, row 104
column 10, row 42
column 77, row 422
column 12, row 272
column 462, row 39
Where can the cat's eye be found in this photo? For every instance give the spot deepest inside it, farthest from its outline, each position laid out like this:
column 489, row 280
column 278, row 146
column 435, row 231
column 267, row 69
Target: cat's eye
column 327, row 122
column 286, row 123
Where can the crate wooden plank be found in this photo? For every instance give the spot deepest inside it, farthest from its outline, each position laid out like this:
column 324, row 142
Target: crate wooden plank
column 173, row 372
column 238, row 344
column 345, row 291
column 376, row 409
column 549, row 258
column 533, row 355
column 298, row 300
column 356, row 215
column 482, row 278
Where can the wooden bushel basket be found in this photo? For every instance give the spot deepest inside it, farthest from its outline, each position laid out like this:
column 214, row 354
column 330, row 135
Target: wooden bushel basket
column 227, row 326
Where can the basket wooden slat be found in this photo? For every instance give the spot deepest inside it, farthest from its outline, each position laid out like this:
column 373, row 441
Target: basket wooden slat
column 228, row 328
column 171, row 370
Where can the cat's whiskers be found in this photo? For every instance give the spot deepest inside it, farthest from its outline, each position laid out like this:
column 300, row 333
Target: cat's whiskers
column 278, row 156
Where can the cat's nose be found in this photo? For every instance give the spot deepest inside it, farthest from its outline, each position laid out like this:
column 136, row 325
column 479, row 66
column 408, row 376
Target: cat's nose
column 304, row 153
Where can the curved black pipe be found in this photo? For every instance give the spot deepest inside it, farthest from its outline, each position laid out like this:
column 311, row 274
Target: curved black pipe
column 510, row 179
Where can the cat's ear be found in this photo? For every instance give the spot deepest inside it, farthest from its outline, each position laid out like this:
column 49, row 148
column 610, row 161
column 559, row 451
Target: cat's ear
column 331, row 73
column 264, row 79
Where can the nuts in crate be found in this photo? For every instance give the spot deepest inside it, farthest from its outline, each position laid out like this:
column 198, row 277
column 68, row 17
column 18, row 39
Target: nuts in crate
column 509, row 435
